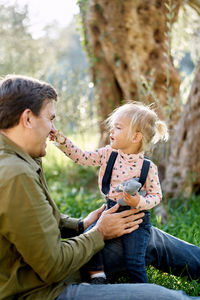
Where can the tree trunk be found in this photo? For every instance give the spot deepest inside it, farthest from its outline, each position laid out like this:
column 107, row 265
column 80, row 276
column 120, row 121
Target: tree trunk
column 127, row 41
column 183, row 171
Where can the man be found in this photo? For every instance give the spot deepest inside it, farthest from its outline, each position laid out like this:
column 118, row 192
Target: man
column 35, row 263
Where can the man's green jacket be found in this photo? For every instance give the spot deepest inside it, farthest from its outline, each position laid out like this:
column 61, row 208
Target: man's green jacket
column 35, row 263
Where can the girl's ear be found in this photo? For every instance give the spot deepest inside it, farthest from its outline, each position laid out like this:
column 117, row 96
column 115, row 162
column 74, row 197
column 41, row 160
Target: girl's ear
column 137, row 137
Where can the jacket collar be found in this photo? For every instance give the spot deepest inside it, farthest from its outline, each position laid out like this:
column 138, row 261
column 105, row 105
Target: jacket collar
column 9, row 146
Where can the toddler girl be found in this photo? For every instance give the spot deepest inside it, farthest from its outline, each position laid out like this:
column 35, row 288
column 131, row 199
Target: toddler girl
column 133, row 128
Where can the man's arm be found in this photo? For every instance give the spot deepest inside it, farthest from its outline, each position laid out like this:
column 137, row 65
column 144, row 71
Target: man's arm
column 68, row 226
column 30, row 225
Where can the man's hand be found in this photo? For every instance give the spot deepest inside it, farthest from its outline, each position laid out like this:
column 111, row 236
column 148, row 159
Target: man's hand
column 112, row 225
column 93, row 216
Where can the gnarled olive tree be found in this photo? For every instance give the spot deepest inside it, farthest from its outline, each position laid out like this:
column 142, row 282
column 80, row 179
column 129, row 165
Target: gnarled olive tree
column 128, row 45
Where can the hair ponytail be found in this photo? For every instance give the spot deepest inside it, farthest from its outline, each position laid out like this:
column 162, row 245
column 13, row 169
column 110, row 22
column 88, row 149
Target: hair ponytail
column 161, row 132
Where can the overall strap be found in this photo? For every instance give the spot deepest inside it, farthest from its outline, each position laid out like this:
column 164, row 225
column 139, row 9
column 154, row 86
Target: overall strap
column 144, row 171
column 108, row 173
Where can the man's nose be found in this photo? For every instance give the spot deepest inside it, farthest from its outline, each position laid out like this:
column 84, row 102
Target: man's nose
column 53, row 128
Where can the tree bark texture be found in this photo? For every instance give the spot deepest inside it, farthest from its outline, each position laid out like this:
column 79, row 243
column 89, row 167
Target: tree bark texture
column 195, row 4
column 126, row 40
column 183, row 171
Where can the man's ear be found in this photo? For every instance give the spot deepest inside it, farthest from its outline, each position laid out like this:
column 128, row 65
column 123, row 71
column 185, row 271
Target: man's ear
column 27, row 118
column 137, row 137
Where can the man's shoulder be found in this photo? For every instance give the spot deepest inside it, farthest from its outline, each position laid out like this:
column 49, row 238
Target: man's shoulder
column 12, row 166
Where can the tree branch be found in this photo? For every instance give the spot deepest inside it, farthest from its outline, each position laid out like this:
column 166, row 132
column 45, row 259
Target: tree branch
column 195, row 4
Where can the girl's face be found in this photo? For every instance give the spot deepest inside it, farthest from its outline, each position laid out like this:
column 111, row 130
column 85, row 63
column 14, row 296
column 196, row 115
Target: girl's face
column 119, row 135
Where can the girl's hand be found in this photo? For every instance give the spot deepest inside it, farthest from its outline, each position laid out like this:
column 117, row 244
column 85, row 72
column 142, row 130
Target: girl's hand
column 53, row 133
column 57, row 136
column 132, row 200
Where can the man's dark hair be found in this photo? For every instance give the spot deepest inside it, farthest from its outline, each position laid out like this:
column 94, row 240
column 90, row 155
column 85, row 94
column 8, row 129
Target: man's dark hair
column 18, row 93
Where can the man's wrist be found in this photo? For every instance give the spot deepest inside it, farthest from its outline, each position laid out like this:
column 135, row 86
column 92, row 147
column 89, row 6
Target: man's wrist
column 98, row 228
column 80, row 226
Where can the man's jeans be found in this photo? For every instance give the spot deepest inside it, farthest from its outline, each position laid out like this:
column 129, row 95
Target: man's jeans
column 164, row 251
column 140, row 291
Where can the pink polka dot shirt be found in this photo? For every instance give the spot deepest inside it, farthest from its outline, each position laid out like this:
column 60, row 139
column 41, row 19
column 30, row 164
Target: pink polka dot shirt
column 126, row 166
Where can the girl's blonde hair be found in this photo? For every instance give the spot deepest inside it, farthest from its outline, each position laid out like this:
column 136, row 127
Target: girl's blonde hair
column 143, row 119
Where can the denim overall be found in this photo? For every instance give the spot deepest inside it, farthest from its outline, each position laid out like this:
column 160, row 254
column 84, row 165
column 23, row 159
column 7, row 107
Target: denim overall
column 135, row 243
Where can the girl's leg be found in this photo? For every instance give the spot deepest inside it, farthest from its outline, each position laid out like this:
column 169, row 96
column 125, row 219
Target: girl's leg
column 135, row 245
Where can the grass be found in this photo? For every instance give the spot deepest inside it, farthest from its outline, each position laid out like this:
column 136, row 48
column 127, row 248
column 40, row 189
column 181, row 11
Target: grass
column 75, row 191
column 183, row 222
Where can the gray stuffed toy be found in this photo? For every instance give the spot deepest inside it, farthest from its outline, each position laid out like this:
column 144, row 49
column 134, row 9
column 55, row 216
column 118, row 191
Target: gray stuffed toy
column 130, row 186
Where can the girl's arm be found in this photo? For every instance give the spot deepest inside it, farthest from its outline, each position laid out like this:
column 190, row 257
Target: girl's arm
column 87, row 158
column 152, row 188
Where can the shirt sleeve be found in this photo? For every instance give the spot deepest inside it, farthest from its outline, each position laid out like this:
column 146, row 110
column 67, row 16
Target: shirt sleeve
column 87, row 158
column 153, row 190
column 68, row 226
column 31, row 227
